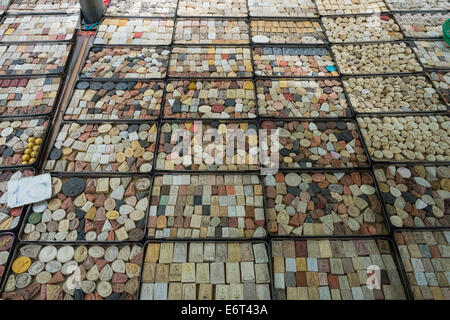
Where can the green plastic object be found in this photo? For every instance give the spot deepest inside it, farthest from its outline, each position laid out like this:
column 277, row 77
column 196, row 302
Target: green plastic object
column 446, row 31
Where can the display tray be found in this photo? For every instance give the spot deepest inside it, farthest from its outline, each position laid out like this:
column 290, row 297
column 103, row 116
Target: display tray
column 47, row 285
column 11, row 218
column 6, row 245
column 42, row 59
column 384, row 27
column 312, row 204
column 302, row 98
column 119, row 154
column 425, row 262
column 24, row 96
column 131, row 58
column 308, row 260
column 211, row 61
column 294, row 61
column 414, row 196
column 392, row 154
column 64, row 24
column 366, row 54
column 167, row 275
column 19, row 127
column 207, row 206
column 208, row 98
column 115, row 100
column 401, row 87
column 170, row 139
column 150, row 33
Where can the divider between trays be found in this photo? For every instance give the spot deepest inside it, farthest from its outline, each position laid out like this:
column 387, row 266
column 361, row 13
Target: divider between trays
column 90, row 176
